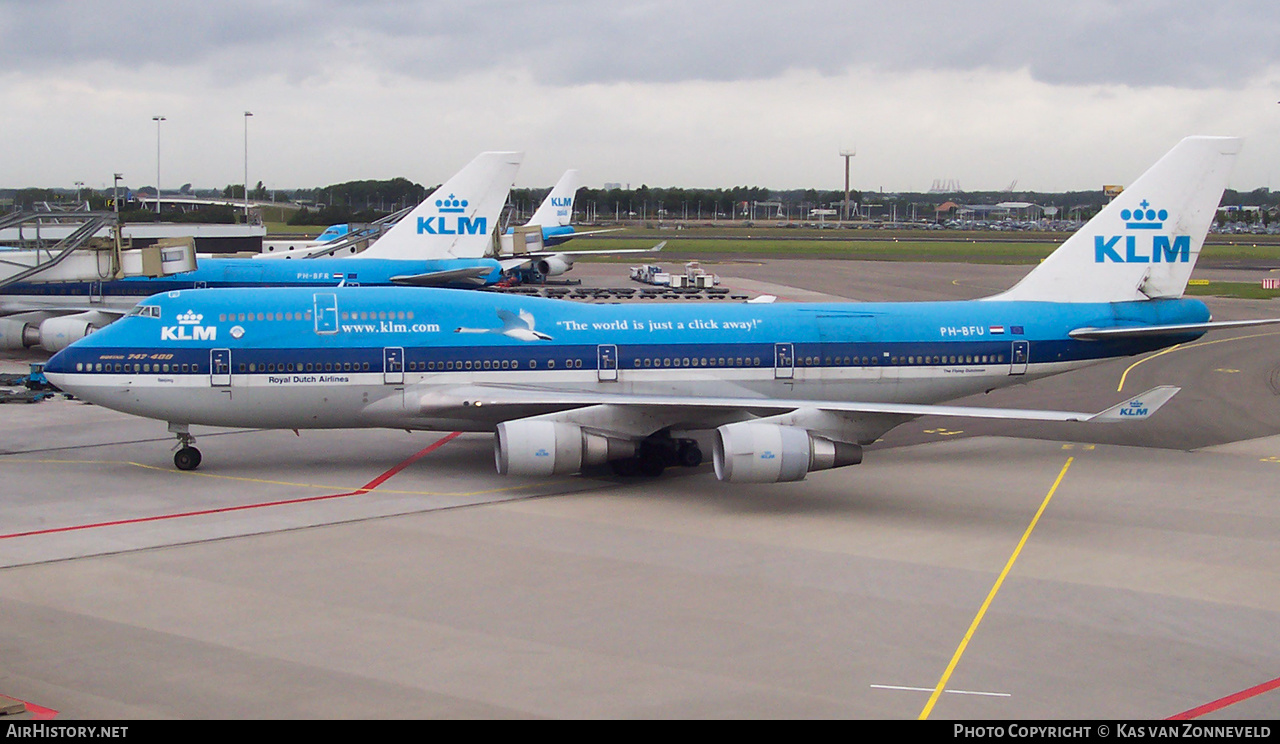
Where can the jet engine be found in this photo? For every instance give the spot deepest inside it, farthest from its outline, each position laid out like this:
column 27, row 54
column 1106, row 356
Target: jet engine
column 553, row 265
column 752, row 452
column 16, row 334
column 57, row 334
column 553, row 448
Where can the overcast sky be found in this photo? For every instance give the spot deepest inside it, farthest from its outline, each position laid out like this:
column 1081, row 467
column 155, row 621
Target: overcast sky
column 1054, row 96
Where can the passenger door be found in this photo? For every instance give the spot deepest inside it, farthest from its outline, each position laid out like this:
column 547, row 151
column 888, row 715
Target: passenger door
column 607, row 362
column 393, row 365
column 784, row 361
column 1019, row 357
column 220, row 367
column 326, row 307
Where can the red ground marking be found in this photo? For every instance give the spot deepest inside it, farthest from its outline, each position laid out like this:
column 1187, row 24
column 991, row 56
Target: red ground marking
column 366, row 488
column 38, row 712
column 1228, row 700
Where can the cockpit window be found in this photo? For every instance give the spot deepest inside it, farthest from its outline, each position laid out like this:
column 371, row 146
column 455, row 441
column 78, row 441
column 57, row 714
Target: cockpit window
column 145, row 311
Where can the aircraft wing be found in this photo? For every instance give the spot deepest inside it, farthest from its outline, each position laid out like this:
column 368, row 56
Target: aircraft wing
column 468, row 275
column 12, row 309
column 1102, row 334
column 594, row 232
column 539, row 254
column 644, row 414
column 507, row 264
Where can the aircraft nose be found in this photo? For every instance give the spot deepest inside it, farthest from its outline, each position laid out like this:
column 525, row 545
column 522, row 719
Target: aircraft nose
column 58, row 364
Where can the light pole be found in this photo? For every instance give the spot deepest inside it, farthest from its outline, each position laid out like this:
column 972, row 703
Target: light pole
column 157, row 120
column 247, row 114
column 115, row 193
column 846, row 154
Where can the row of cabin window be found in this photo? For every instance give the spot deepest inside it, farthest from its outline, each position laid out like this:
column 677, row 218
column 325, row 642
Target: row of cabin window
column 950, row 359
column 378, row 315
column 308, row 367
column 698, row 362
column 813, row 361
column 490, row 364
column 511, row 364
column 118, row 367
column 244, row 317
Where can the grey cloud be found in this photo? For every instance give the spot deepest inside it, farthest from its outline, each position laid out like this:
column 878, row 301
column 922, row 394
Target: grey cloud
column 1153, row 43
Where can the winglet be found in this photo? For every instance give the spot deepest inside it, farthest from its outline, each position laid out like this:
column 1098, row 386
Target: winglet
column 659, row 246
column 1138, row 407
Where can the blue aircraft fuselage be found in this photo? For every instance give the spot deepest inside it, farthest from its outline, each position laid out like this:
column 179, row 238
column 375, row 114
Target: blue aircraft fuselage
column 341, row 357
column 249, row 273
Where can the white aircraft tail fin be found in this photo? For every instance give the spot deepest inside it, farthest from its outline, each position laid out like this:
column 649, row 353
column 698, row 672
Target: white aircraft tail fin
column 1144, row 244
column 557, row 209
column 458, row 219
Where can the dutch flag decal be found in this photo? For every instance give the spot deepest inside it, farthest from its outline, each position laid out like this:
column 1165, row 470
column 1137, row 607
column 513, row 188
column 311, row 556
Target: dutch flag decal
column 996, row 330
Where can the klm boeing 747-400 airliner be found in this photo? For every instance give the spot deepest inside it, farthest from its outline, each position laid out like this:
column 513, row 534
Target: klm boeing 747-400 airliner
column 779, row 390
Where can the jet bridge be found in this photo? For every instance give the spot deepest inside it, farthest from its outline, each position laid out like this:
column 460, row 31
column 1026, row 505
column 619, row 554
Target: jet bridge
column 360, row 237
column 64, row 246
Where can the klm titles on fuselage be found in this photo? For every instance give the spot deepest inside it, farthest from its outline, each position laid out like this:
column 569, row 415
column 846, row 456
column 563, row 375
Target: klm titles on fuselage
column 1163, row 248
column 189, row 329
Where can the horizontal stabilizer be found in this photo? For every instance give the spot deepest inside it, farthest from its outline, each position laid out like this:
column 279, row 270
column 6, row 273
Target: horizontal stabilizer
column 1180, row 329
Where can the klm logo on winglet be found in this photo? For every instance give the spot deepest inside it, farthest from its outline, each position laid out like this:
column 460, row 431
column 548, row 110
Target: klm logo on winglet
column 446, row 224
column 1161, row 249
column 1135, row 408
column 561, row 201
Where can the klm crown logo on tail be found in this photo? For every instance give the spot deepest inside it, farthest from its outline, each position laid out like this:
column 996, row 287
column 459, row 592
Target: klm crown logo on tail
column 446, row 223
column 1159, row 249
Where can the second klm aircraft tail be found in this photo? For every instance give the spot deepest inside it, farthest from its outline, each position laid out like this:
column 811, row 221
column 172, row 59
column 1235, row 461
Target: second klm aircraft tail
column 1144, row 244
column 458, row 219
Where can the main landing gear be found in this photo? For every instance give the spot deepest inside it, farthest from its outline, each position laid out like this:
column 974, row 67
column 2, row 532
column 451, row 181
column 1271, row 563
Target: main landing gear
column 187, row 457
column 657, row 453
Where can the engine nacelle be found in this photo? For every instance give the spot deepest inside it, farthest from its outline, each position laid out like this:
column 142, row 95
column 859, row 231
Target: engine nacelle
column 15, row 334
column 752, row 452
column 553, row 265
column 553, row 448
column 57, row 334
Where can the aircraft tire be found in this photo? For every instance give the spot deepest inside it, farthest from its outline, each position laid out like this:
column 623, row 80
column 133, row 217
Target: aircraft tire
column 690, row 456
column 651, row 464
column 187, row 458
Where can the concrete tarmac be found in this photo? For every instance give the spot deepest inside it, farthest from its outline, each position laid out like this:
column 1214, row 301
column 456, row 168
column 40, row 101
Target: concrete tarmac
column 383, row 574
